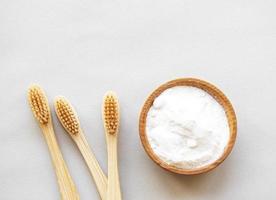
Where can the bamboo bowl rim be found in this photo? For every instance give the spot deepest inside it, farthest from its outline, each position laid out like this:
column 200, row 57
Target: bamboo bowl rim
column 217, row 95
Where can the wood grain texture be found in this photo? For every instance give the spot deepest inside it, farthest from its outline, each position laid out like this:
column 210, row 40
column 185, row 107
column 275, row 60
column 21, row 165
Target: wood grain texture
column 92, row 163
column 69, row 120
column 113, row 191
column 113, row 186
column 66, row 185
column 213, row 91
column 41, row 110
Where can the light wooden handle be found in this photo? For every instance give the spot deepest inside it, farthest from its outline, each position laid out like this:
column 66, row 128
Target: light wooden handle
column 66, row 185
column 113, row 189
column 92, row 163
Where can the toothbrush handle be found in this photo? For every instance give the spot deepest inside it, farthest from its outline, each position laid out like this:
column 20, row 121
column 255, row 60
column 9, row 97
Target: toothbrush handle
column 113, row 191
column 66, row 185
column 93, row 165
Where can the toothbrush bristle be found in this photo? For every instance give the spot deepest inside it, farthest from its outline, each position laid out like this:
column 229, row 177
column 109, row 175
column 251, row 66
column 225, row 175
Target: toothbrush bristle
column 111, row 113
column 39, row 104
column 67, row 116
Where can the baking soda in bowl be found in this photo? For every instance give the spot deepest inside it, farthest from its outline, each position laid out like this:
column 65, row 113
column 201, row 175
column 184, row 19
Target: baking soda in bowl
column 187, row 128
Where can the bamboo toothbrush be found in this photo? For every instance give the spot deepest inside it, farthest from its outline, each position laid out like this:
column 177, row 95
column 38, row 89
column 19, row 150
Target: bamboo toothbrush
column 111, row 120
column 69, row 120
column 41, row 110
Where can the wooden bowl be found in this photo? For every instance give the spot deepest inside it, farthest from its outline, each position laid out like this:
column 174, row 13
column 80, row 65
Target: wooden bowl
column 212, row 90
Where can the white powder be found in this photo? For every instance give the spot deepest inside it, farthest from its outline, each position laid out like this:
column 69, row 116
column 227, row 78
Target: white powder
column 186, row 127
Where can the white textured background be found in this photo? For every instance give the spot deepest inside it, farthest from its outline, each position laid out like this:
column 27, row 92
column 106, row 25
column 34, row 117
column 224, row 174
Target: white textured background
column 81, row 48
